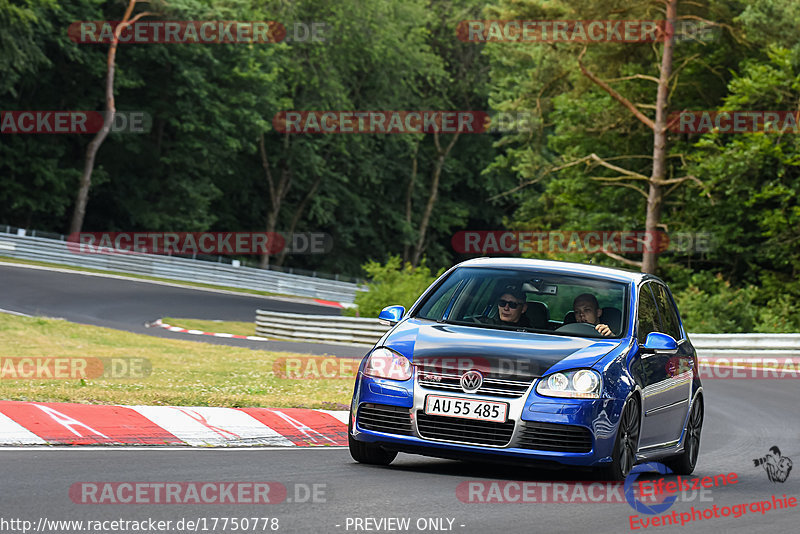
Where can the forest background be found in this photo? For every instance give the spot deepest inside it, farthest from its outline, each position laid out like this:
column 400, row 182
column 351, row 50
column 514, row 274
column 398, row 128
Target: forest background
column 213, row 161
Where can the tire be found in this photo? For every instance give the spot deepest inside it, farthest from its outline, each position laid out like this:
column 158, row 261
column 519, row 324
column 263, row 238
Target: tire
column 684, row 463
column 367, row 453
column 627, row 443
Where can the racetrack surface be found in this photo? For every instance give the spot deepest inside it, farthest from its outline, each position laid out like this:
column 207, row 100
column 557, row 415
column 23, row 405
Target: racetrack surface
column 743, row 419
column 125, row 304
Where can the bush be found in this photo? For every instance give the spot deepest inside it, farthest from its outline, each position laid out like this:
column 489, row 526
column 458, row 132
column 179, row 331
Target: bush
column 711, row 306
column 779, row 318
column 392, row 283
column 717, row 308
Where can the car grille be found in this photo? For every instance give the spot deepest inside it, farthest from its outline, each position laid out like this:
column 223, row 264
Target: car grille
column 385, row 418
column 464, row 430
column 554, row 437
column 493, row 384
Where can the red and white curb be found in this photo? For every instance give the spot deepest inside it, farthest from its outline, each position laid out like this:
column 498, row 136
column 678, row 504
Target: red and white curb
column 43, row 423
column 333, row 303
column 159, row 323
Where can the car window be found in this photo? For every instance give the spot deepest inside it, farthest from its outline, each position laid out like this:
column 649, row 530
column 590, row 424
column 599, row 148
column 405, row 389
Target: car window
column 470, row 295
column 436, row 305
column 478, row 292
column 648, row 314
column 666, row 308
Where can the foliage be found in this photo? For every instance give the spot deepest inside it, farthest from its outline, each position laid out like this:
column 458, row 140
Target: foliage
column 711, row 305
column 199, row 167
column 393, row 283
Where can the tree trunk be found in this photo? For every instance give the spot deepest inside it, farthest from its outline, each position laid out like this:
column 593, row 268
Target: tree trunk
column 655, row 196
column 82, row 198
column 410, row 194
column 277, row 192
column 426, row 215
column 297, row 214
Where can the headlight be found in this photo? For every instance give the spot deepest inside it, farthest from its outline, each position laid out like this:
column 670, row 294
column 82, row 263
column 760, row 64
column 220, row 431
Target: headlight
column 579, row 384
column 385, row 363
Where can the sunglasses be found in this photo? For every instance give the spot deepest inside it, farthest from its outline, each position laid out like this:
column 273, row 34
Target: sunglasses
column 510, row 303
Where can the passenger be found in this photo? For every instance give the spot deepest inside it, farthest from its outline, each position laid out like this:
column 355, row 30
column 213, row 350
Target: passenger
column 511, row 307
column 588, row 310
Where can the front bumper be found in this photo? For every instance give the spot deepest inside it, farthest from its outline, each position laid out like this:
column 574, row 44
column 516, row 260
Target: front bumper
column 539, row 430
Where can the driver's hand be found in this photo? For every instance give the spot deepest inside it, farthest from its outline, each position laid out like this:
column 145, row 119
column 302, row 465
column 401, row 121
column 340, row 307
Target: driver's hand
column 603, row 329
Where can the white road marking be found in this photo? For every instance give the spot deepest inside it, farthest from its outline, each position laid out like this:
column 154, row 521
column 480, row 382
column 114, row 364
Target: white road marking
column 207, row 426
column 14, row 433
column 343, row 416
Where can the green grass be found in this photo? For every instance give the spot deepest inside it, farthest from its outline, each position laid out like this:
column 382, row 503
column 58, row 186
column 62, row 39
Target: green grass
column 184, row 373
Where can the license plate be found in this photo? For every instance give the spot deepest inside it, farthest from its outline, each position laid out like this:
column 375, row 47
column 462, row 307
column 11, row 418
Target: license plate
column 466, row 409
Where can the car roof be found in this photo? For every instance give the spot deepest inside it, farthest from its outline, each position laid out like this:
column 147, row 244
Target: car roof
column 561, row 267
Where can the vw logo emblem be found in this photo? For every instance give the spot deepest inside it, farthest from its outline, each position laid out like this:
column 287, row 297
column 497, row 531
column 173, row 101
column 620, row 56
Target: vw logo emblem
column 471, row 381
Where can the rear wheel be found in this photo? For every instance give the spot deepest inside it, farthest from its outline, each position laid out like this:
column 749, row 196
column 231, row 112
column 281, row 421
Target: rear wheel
column 684, row 463
column 368, row 453
column 627, row 444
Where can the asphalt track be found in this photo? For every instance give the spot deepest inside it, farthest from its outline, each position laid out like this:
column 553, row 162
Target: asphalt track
column 743, row 419
column 126, row 304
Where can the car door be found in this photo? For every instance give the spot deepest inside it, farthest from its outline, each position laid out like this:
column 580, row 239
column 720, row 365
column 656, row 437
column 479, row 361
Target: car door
column 664, row 398
column 680, row 365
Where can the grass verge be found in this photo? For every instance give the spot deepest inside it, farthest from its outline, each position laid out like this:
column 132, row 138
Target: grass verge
column 184, row 373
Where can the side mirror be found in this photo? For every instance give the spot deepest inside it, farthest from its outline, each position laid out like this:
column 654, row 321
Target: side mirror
column 657, row 341
column 391, row 315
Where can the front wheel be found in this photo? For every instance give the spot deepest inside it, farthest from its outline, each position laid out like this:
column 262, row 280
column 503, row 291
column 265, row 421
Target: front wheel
column 684, row 463
column 367, row 453
column 627, row 443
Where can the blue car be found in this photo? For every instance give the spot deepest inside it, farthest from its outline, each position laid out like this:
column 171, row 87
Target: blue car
column 536, row 362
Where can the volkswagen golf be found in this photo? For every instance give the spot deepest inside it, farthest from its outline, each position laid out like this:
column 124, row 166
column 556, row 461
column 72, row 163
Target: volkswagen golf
column 544, row 363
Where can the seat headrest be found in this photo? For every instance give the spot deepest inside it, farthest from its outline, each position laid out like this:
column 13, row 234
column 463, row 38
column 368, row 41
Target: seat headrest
column 613, row 318
column 538, row 314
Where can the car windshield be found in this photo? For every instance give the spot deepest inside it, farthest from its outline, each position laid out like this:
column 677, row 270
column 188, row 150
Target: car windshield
column 528, row 300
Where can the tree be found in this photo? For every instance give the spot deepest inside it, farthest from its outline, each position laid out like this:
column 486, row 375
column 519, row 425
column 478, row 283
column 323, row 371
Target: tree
column 110, row 108
column 618, row 72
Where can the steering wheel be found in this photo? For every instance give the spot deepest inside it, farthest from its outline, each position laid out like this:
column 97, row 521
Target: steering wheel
column 482, row 319
column 579, row 329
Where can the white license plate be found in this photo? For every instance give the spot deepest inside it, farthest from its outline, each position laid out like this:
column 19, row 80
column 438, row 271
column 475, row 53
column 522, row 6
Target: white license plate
column 466, row 409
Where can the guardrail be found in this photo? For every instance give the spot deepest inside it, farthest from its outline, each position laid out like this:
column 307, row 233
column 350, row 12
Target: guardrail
column 367, row 331
column 319, row 328
column 179, row 269
column 746, row 345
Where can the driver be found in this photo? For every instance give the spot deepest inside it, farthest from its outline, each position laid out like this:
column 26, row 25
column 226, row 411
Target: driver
column 588, row 310
column 511, row 307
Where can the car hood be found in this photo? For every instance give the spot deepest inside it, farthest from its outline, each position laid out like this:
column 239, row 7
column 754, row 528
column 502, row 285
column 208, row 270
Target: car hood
column 435, row 345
